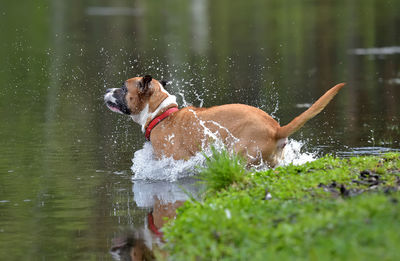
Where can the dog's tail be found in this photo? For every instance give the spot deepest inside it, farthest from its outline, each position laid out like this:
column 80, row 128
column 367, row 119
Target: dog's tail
column 317, row 107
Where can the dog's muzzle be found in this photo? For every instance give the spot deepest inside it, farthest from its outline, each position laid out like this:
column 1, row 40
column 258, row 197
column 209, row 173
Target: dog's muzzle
column 115, row 101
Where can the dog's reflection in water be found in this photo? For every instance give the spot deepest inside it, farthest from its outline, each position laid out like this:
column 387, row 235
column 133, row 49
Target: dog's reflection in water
column 161, row 199
column 131, row 247
column 141, row 244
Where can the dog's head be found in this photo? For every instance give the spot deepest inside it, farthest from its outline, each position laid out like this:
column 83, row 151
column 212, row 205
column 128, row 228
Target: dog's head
column 140, row 97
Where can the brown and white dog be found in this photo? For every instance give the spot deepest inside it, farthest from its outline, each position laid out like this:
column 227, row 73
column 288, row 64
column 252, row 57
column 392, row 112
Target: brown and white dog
column 181, row 133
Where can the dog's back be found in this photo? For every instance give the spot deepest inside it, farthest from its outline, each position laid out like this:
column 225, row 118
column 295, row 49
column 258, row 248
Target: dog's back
column 248, row 130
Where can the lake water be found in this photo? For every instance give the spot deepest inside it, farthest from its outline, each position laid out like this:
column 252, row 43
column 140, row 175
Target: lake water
column 66, row 188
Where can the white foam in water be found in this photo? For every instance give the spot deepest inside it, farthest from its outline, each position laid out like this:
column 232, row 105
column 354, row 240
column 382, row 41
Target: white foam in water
column 147, row 167
column 293, row 154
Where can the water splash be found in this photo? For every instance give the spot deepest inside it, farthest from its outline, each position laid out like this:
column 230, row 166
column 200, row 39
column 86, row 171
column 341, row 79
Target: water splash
column 147, row 167
column 185, row 103
column 293, row 154
column 275, row 97
column 230, row 140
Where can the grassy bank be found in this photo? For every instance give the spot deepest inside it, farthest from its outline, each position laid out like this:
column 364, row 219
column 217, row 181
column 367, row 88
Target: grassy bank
column 327, row 209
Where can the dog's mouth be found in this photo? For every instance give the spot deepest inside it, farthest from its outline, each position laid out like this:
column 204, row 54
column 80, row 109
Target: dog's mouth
column 118, row 107
column 114, row 107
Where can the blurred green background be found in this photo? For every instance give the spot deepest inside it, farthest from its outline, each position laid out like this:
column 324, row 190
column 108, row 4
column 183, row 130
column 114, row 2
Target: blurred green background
column 65, row 187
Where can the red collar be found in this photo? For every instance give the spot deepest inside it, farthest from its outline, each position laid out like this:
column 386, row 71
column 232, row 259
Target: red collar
column 157, row 120
column 152, row 226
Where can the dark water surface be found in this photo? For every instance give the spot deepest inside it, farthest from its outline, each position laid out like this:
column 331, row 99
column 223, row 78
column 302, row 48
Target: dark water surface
column 65, row 181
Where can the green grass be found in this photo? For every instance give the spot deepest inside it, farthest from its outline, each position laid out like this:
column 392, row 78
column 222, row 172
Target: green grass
column 222, row 170
column 329, row 209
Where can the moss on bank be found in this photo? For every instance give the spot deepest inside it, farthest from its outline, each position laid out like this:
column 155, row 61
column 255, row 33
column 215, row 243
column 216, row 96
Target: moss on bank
column 327, row 209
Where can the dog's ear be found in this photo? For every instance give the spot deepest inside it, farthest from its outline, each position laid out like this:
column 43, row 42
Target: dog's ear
column 164, row 83
column 144, row 84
